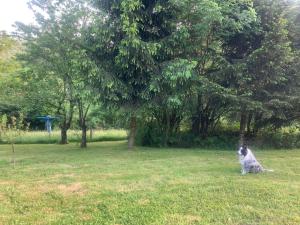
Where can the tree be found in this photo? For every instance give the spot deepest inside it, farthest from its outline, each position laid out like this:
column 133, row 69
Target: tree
column 259, row 69
column 129, row 44
column 84, row 72
column 205, row 25
column 54, row 58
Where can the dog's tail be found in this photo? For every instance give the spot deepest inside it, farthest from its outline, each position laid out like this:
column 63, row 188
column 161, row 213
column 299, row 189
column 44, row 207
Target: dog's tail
column 268, row 170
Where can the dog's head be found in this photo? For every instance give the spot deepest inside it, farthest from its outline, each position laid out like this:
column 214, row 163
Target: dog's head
column 243, row 150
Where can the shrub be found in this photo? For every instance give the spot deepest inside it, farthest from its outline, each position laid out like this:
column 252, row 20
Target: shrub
column 151, row 135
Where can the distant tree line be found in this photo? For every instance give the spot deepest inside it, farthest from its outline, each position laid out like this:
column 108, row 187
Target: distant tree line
column 170, row 66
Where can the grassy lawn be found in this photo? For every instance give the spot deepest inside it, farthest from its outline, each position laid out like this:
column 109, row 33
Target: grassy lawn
column 107, row 184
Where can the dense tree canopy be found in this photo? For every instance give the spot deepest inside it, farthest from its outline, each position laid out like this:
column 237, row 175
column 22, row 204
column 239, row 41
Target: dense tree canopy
column 174, row 67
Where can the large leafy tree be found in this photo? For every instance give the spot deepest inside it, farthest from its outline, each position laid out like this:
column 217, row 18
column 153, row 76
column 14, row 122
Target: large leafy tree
column 191, row 83
column 260, row 58
column 132, row 43
column 206, row 25
column 55, row 59
column 292, row 13
column 140, row 42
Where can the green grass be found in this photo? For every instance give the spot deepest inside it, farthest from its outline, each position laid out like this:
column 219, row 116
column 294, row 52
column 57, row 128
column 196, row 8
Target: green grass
column 108, row 184
column 42, row 137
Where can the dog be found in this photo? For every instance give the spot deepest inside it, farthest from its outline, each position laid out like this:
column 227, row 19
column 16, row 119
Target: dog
column 249, row 162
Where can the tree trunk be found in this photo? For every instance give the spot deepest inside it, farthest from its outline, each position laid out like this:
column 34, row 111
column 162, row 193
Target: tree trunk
column 196, row 119
column 243, row 123
column 64, row 136
column 132, row 133
column 82, row 122
column 204, row 126
column 167, row 129
column 83, row 137
column 196, row 125
column 91, row 134
column 249, row 123
column 257, row 118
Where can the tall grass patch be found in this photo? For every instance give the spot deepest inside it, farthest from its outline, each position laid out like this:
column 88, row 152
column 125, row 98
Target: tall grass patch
column 42, row 137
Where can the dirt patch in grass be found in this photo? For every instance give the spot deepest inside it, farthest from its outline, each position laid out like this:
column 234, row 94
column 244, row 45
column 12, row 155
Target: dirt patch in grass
column 192, row 218
column 74, row 188
column 85, row 217
column 185, row 219
column 7, row 182
column 143, row 201
column 2, row 198
column 65, row 189
column 47, row 210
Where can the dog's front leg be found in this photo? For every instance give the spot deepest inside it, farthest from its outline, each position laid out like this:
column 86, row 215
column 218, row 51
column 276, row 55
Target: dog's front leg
column 243, row 171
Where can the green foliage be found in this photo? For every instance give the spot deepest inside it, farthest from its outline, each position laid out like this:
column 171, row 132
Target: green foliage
column 8, row 49
column 11, row 95
column 282, row 138
column 151, row 134
column 60, row 71
column 101, row 117
column 293, row 16
column 148, row 134
column 181, row 66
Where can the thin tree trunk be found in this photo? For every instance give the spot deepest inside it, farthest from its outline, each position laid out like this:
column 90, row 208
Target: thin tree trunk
column 132, row 134
column 167, row 129
column 82, row 122
column 91, row 134
column 66, row 123
column 83, row 137
column 202, row 121
column 243, row 123
column 249, row 123
column 196, row 125
column 257, row 117
column 196, row 122
column 64, row 135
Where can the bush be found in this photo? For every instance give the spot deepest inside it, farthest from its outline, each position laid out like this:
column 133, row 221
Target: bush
column 152, row 136
column 149, row 135
column 277, row 140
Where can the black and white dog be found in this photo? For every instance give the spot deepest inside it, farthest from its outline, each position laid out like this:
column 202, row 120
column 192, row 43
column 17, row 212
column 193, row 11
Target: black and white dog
column 249, row 162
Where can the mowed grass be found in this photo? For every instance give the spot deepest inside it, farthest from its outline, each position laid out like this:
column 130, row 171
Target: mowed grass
column 42, row 137
column 108, row 184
